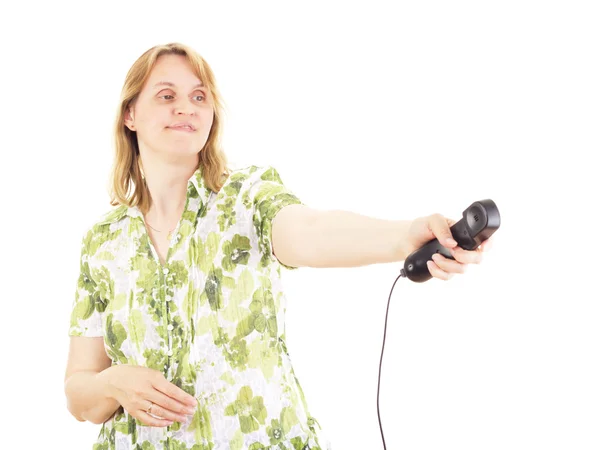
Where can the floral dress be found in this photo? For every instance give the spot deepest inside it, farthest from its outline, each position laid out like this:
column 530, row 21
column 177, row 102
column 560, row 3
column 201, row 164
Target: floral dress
column 211, row 319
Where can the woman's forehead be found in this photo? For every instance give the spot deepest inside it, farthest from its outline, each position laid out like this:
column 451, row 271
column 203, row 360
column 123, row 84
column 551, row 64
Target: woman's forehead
column 173, row 72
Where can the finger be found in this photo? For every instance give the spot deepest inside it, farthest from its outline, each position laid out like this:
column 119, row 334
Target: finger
column 166, row 402
column 173, row 408
column 487, row 245
column 170, row 407
column 450, row 222
column 440, row 229
column 435, row 271
column 161, row 384
column 449, row 265
column 166, row 413
column 148, row 419
column 466, row 256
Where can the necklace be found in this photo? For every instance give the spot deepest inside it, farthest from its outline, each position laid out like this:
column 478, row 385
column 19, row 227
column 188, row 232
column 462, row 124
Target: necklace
column 169, row 235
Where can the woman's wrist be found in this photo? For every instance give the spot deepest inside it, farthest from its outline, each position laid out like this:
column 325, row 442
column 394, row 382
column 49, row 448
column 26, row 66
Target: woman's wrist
column 106, row 379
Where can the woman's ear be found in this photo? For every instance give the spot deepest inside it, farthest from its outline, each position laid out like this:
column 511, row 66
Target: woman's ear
column 129, row 119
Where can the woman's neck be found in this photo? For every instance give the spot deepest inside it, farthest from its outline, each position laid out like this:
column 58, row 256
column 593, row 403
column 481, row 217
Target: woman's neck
column 168, row 185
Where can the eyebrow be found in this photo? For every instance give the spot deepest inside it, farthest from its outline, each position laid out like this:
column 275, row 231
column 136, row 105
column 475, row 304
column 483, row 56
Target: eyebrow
column 168, row 83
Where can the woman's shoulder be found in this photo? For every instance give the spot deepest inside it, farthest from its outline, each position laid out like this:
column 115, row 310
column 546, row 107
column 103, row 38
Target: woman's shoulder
column 103, row 221
column 254, row 172
column 243, row 169
column 115, row 214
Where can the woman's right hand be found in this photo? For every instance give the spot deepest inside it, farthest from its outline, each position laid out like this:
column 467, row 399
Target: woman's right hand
column 138, row 388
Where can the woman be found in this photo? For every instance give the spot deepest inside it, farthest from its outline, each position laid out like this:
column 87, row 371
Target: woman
column 177, row 328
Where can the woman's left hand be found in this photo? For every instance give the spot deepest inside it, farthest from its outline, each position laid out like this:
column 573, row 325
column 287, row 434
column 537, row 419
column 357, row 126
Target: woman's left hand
column 436, row 226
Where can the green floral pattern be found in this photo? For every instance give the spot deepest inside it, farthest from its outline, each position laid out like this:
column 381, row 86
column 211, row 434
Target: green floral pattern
column 211, row 319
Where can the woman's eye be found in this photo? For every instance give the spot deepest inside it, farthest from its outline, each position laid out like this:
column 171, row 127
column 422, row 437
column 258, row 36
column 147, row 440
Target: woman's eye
column 169, row 95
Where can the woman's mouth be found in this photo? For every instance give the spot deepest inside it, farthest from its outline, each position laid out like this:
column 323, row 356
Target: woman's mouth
column 182, row 128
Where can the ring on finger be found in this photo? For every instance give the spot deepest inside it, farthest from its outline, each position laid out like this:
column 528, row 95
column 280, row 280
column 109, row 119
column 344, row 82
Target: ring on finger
column 149, row 411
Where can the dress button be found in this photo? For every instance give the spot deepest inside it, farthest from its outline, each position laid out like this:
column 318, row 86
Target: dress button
column 168, row 299
column 169, row 434
column 170, row 353
column 169, row 327
column 165, row 271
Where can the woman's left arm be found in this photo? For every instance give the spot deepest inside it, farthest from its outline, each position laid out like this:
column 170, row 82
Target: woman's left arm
column 306, row 237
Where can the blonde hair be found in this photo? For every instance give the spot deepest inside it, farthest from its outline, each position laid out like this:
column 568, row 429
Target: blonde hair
column 126, row 174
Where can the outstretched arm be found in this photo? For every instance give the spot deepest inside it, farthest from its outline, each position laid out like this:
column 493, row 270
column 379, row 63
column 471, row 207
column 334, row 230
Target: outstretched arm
column 306, row 237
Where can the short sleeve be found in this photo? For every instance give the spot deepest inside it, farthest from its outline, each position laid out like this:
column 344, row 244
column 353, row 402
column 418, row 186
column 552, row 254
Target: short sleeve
column 88, row 305
column 269, row 195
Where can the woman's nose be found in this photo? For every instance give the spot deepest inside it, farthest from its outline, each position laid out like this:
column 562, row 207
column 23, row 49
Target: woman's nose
column 183, row 107
column 185, row 110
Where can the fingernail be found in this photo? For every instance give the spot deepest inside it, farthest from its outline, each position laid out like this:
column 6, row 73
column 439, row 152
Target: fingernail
column 451, row 241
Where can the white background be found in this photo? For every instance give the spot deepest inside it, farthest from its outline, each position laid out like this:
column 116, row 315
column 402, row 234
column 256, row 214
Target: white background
column 393, row 110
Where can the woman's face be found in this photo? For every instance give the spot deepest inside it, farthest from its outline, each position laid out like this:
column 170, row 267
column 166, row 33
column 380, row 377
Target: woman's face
column 171, row 96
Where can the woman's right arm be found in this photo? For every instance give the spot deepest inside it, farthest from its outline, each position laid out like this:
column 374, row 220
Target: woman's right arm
column 95, row 389
column 86, row 387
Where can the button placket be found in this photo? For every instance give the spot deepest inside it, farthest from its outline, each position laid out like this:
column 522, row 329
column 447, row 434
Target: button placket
column 168, row 319
column 168, row 366
column 170, row 336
